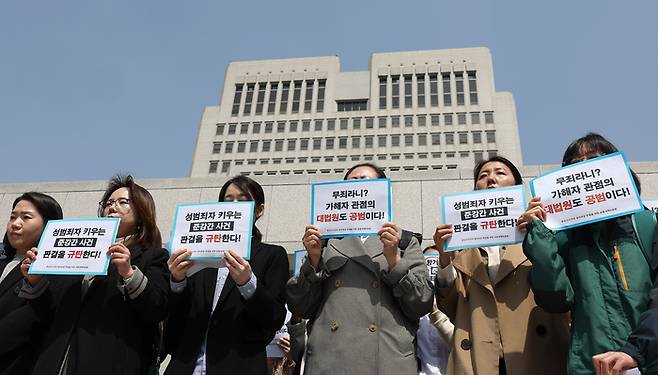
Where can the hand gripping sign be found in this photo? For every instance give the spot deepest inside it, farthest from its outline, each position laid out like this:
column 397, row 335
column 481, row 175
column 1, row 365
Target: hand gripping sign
column 75, row 247
column 351, row 207
column 484, row 217
column 209, row 229
column 586, row 192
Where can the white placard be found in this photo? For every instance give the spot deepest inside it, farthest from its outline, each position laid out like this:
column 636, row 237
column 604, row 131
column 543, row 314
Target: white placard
column 651, row 204
column 299, row 258
column 209, row 229
column 484, row 217
column 432, row 262
column 75, row 247
column 273, row 350
column 586, row 192
column 351, row 207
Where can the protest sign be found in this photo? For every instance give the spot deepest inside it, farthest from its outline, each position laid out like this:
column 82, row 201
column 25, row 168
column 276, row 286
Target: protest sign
column 272, row 349
column 75, row 247
column 299, row 258
column 651, row 204
column 209, row 229
column 586, row 192
column 432, row 262
column 351, row 207
column 484, row 217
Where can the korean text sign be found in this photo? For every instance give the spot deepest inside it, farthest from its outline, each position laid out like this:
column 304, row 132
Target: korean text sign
column 351, row 207
column 209, row 229
column 484, row 217
column 652, row 204
column 75, row 247
column 586, row 192
column 432, row 262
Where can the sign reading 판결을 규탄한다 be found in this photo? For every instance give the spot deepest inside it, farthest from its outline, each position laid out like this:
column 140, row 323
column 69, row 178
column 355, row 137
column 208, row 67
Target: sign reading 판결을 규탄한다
column 651, row 204
column 432, row 262
column 483, row 217
column 586, row 192
column 209, row 229
column 351, row 207
column 75, row 247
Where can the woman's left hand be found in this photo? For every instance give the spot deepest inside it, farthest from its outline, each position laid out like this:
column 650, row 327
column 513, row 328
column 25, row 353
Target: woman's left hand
column 390, row 237
column 120, row 257
column 238, row 268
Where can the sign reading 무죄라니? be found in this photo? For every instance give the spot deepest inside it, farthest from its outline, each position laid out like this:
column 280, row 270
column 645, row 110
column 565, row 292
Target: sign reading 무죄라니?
column 651, row 204
column 351, row 207
column 75, row 247
column 586, row 192
column 209, row 229
column 484, row 217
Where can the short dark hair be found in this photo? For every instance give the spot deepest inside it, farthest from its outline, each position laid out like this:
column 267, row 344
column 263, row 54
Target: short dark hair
column 379, row 171
column 249, row 187
column 46, row 206
column 148, row 235
column 431, row 247
column 518, row 180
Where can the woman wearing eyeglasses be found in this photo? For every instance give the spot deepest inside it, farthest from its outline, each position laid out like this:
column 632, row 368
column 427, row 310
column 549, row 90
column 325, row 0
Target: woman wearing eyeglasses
column 107, row 324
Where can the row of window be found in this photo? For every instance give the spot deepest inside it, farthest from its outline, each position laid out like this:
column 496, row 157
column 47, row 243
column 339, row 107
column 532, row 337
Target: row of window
column 355, row 123
column 278, row 97
column 226, row 165
column 413, row 89
column 367, row 141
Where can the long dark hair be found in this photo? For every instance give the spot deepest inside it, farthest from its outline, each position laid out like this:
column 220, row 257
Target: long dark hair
column 593, row 142
column 46, row 206
column 141, row 201
column 379, row 171
column 251, row 189
column 518, row 180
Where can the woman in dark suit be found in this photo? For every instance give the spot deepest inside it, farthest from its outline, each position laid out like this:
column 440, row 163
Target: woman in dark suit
column 107, row 324
column 221, row 319
column 18, row 331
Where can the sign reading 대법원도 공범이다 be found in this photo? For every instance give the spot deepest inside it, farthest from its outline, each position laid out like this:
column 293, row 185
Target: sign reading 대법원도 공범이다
column 483, row 217
column 209, row 229
column 75, row 247
column 351, row 207
column 586, row 192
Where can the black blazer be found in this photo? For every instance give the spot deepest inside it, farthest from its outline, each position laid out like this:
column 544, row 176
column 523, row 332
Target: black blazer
column 109, row 333
column 238, row 330
column 19, row 333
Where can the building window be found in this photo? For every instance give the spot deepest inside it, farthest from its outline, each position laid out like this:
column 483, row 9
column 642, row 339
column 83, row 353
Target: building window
column 420, row 85
column 381, row 140
column 296, row 95
column 248, row 99
column 228, row 148
column 488, row 118
column 278, row 145
column 225, row 166
column 475, row 118
column 395, row 121
column 472, row 87
column 303, row 144
column 251, row 161
column 236, row 102
column 342, row 142
column 306, row 125
column 253, row 146
column 477, row 156
column 395, row 157
column 308, row 98
column 328, row 158
column 493, row 153
column 285, row 92
column 260, row 100
column 355, row 157
column 244, row 128
column 450, row 138
column 356, row 142
column 436, row 139
column 317, row 143
column 239, row 162
column 395, row 140
column 319, row 105
column 267, row 146
column 434, row 90
column 242, row 146
column 368, row 157
column 422, row 139
column 477, row 137
column 491, row 137
column 395, row 92
column 422, row 120
column 231, row 128
column 331, row 124
column 318, row 125
column 220, row 129
column 435, row 120
column 464, row 154
column 382, row 92
column 369, row 141
column 268, row 127
column 370, row 122
column 407, row 91
column 256, row 129
column 447, row 119
column 272, row 103
column 408, row 140
column 276, row 160
column 447, row 98
column 352, row 105
column 343, row 124
column 356, row 123
column 329, row 143
column 281, row 127
column 382, row 122
column 461, row 118
column 264, row 161
column 409, row 155
column 293, row 126
column 459, row 87
column 381, row 156
column 463, row 138
column 408, row 121
column 216, row 147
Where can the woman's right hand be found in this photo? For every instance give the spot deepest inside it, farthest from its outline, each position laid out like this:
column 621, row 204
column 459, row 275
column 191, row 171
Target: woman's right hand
column 313, row 245
column 179, row 264
column 535, row 211
column 30, row 257
column 443, row 233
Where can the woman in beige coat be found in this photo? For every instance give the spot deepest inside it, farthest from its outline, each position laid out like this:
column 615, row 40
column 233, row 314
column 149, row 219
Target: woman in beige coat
column 486, row 293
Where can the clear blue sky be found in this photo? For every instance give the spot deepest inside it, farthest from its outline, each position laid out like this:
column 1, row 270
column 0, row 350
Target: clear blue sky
column 92, row 88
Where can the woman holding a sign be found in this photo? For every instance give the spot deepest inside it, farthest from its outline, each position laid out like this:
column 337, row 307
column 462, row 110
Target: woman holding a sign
column 598, row 270
column 19, row 333
column 486, row 293
column 221, row 319
column 363, row 297
column 107, row 324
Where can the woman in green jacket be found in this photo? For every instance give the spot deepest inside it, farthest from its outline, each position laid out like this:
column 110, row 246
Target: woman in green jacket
column 599, row 272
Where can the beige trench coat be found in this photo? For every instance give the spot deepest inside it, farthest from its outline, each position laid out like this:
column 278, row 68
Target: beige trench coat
column 489, row 316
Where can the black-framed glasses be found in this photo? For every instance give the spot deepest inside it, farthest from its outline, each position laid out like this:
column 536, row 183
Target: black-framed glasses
column 121, row 203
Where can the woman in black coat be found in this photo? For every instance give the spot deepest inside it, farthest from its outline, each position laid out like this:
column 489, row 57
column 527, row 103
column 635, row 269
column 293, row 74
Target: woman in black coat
column 19, row 332
column 222, row 319
column 107, row 324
